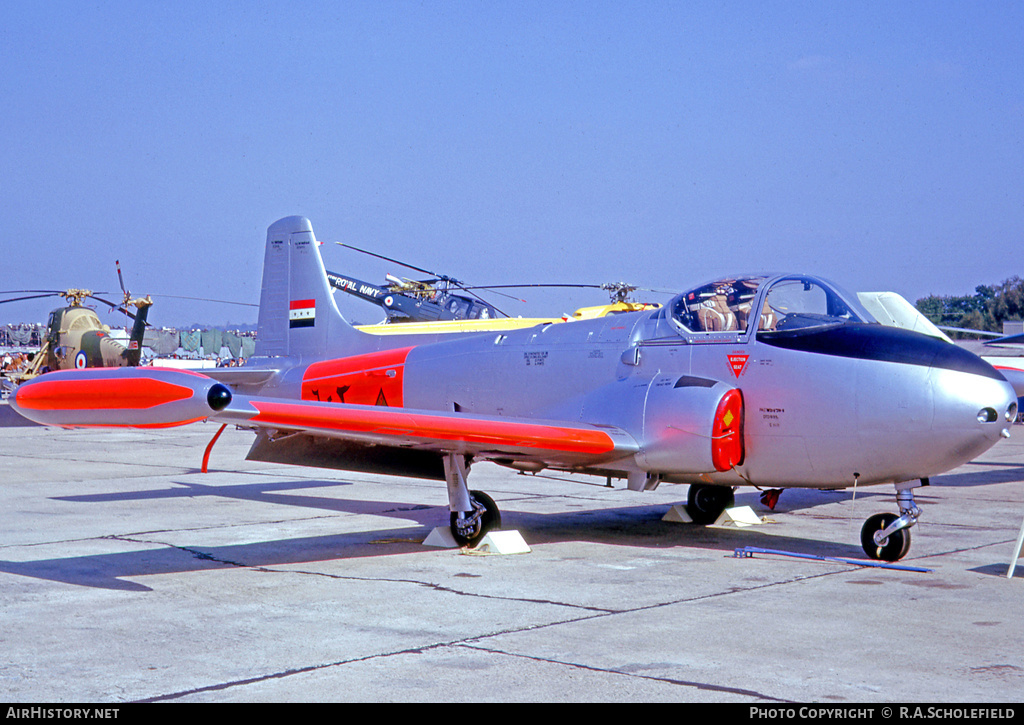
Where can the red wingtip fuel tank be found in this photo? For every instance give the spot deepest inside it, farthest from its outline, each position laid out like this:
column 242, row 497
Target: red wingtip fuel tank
column 129, row 397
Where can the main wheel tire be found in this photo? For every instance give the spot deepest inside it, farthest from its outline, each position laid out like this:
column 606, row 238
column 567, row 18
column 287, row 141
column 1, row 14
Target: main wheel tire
column 706, row 503
column 894, row 548
column 490, row 520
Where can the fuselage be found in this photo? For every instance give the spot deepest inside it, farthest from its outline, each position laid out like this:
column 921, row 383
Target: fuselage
column 825, row 403
column 774, row 381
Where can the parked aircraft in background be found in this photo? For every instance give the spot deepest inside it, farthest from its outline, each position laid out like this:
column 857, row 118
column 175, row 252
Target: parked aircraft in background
column 77, row 339
column 1005, row 352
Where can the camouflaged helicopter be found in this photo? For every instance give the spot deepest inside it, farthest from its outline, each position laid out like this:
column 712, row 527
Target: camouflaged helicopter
column 76, row 338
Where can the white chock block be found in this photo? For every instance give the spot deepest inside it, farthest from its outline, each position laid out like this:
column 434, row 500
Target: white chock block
column 442, row 538
column 738, row 517
column 502, row 542
column 677, row 515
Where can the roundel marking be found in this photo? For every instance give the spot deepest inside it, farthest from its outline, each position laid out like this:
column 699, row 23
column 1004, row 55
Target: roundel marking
column 81, row 361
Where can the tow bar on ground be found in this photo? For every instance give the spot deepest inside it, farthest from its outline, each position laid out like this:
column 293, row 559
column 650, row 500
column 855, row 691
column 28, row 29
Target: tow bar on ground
column 749, row 551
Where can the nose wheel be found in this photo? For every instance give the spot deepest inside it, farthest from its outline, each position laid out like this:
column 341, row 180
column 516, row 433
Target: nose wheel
column 886, row 537
column 884, row 548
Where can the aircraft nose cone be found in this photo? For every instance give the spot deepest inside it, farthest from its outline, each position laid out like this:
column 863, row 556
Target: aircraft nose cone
column 972, row 412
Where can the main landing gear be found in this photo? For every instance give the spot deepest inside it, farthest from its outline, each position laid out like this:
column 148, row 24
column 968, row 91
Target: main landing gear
column 886, row 536
column 706, row 503
column 473, row 513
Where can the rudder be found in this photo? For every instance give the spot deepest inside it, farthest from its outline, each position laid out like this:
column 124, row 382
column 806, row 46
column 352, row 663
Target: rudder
column 298, row 316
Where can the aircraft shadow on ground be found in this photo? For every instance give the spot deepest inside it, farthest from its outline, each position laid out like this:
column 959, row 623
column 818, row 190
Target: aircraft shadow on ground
column 993, row 473
column 634, row 526
column 1000, row 570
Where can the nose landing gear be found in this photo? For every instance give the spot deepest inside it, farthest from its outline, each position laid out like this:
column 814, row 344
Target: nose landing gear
column 886, row 537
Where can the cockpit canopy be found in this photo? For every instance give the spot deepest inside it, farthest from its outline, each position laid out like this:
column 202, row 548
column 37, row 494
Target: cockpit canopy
column 769, row 303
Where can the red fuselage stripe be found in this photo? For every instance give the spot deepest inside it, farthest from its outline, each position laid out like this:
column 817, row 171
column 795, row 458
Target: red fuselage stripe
column 392, row 422
column 368, row 379
column 99, row 394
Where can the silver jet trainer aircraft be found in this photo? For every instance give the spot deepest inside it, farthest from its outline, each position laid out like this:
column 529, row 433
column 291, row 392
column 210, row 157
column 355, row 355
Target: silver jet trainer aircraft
column 767, row 381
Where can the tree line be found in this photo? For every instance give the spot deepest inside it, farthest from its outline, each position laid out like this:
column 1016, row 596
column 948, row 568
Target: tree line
column 986, row 309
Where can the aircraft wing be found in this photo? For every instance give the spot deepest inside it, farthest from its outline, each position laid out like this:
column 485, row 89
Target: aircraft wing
column 551, row 442
column 154, row 397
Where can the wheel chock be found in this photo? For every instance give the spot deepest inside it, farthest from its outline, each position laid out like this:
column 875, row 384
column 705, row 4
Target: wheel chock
column 502, row 542
column 441, row 537
column 677, row 515
column 738, row 517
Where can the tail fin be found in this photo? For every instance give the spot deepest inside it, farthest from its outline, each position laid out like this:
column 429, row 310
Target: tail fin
column 298, row 316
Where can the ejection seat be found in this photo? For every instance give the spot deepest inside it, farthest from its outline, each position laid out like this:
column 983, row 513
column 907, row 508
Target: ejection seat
column 713, row 315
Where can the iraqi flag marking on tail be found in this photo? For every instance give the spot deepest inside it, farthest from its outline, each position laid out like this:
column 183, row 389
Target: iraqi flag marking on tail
column 302, row 313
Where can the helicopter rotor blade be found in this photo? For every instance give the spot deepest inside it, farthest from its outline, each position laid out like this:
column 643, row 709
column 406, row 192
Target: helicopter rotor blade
column 474, row 294
column 619, row 291
column 606, row 286
column 207, row 299
column 120, row 279
column 440, row 277
column 114, row 307
column 500, row 294
column 524, row 286
column 30, row 297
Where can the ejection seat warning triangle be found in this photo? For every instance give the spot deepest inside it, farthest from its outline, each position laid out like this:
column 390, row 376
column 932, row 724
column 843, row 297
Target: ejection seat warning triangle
column 737, row 362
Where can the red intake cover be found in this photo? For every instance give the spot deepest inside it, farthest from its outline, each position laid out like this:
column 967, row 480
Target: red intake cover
column 727, row 433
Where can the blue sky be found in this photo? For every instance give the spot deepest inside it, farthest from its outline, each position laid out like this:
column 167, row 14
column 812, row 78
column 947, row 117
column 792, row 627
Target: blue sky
column 880, row 144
